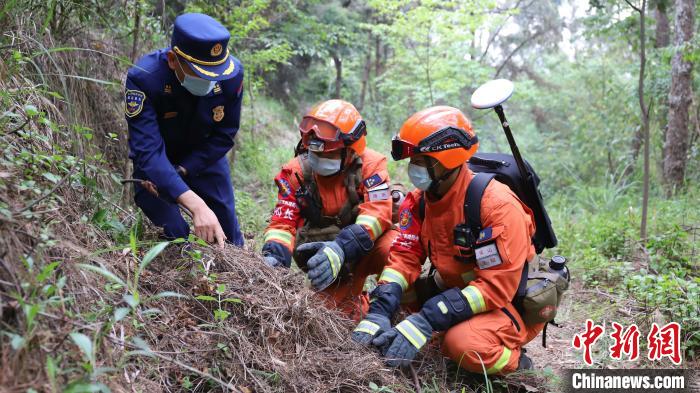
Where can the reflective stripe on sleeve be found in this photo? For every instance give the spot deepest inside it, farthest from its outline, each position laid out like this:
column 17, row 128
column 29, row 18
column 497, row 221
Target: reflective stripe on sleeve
column 370, row 222
column 279, row 235
column 475, row 299
column 392, row 275
column 368, row 327
column 412, row 333
column 501, row 362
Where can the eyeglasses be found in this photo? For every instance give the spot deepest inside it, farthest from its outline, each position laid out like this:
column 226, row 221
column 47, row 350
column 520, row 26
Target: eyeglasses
column 443, row 139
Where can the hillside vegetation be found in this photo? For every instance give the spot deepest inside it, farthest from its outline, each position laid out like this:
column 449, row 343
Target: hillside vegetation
column 91, row 299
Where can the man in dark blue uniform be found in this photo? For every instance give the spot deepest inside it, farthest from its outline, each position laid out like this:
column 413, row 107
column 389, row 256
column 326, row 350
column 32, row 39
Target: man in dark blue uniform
column 183, row 107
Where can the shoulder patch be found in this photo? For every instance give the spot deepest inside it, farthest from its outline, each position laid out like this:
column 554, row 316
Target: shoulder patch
column 284, row 188
column 133, row 102
column 405, row 218
column 372, row 181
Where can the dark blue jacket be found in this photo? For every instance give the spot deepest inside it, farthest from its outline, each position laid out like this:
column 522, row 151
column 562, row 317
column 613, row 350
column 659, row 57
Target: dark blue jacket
column 168, row 126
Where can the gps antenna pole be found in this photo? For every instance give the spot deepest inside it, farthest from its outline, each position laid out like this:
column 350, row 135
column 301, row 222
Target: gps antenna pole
column 511, row 141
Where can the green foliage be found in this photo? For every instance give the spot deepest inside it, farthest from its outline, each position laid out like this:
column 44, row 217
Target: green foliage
column 220, row 314
column 604, row 251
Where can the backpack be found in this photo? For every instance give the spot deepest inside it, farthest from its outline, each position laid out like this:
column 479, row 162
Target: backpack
column 505, row 169
column 541, row 287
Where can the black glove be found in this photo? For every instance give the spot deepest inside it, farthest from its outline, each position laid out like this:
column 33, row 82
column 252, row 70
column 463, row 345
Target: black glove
column 277, row 252
column 385, row 300
column 401, row 344
column 355, row 242
column 369, row 328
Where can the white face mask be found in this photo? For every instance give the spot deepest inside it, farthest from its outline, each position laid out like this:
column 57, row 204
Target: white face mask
column 323, row 166
column 419, row 176
column 197, row 86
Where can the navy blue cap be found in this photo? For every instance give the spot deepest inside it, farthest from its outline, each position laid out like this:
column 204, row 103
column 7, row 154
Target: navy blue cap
column 203, row 42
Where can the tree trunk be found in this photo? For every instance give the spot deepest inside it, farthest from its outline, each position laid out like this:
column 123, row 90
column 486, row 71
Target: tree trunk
column 338, row 74
column 663, row 30
column 679, row 99
column 645, row 121
column 663, row 39
column 644, row 109
column 377, row 57
column 135, row 31
column 365, row 73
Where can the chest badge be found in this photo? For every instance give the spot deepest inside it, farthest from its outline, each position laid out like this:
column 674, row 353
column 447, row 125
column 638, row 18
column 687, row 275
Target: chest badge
column 218, row 113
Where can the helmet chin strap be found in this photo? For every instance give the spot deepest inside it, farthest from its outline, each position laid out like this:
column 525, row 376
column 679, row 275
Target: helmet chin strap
column 436, row 183
column 343, row 156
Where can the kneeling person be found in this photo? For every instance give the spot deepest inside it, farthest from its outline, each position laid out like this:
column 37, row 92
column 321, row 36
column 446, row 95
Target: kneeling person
column 333, row 213
column 477, row 283
column 183, row 108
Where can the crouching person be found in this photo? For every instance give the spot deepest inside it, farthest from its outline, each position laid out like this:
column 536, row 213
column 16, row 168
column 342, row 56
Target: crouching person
column 477, row 279
column 334, row 208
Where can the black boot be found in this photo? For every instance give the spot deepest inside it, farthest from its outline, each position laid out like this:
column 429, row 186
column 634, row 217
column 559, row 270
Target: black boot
column 524, row 363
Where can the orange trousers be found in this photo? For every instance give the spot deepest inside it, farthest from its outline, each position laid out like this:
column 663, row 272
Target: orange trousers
column 347, row 295
column 489, row 341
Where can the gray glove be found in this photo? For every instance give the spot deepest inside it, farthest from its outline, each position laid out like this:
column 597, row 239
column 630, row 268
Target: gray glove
column 272, row 261
column 372, row 326
column 325, row 265
column 401, row 344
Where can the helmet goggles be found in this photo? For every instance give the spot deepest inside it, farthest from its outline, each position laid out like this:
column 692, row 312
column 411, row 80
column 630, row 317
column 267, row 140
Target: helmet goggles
column 443, row 139
column 333, row 138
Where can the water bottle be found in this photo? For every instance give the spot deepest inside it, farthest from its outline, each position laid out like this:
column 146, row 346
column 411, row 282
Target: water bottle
column 557, row 264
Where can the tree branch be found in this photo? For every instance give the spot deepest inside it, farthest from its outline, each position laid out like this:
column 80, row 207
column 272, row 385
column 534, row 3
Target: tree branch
column 21, row 126
column 522, row 44
column 495, row 34
column 633, row 6
column 50, row 192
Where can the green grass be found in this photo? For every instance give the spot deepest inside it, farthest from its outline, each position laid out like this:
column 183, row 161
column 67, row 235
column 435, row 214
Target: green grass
column 602, row 243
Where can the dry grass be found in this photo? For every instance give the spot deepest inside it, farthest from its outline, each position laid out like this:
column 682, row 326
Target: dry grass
column 279, row 338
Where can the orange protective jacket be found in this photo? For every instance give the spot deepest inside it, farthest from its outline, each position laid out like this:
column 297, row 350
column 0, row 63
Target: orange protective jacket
column 506, row 222
column 374, row 210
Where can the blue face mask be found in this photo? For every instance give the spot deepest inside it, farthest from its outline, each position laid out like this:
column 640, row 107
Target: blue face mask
column 323, row 166
column 197, row 86
column 419, row 176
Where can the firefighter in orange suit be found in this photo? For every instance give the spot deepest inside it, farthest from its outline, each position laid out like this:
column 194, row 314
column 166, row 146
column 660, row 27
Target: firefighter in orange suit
column 334, row 207
column 482, row 329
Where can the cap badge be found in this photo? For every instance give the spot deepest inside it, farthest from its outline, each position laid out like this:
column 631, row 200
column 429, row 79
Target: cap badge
column 216, row 50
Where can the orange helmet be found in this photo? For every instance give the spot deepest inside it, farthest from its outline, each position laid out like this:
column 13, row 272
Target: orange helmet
column 333, row 125
column 441, row 132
